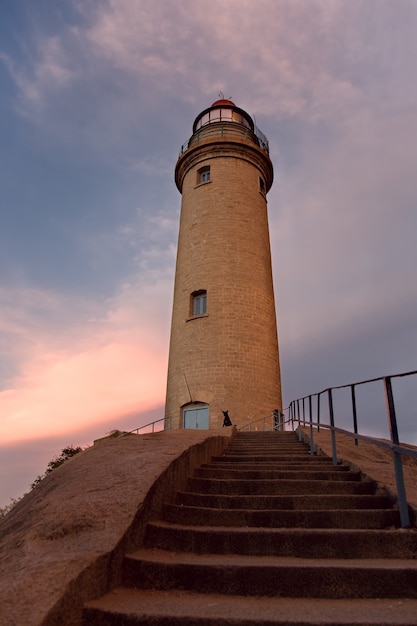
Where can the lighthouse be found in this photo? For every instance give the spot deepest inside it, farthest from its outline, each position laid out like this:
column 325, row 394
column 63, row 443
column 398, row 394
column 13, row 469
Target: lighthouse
column 223, row 353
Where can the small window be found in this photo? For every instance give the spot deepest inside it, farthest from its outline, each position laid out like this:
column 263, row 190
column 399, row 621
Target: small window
column 262, row 186
column 199, row 302
column 203, row 175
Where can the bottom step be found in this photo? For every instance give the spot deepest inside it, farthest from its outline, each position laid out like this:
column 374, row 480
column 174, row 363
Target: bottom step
column 179, row 608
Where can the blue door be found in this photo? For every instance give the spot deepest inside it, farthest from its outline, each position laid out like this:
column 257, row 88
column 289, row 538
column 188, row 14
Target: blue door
column 196, row 417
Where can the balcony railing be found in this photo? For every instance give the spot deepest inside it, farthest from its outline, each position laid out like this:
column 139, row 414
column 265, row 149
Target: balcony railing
column 231, row 130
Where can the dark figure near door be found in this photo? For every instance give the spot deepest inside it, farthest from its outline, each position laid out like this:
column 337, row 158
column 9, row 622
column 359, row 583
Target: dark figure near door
column 226, row 421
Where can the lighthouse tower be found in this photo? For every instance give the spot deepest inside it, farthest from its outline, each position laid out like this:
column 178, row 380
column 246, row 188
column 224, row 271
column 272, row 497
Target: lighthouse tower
column 224, row 347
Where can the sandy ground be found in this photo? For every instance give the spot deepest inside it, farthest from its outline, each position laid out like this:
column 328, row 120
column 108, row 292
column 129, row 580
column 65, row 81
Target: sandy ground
column 64, row 540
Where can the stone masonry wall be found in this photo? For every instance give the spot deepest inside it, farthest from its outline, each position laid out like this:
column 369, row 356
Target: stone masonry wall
column 228, row 357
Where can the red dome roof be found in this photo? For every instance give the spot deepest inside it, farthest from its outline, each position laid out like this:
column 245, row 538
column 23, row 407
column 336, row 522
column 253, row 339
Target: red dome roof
column 223, row 101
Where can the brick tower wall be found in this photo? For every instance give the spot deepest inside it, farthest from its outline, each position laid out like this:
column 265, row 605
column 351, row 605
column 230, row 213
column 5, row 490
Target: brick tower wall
column 227, row 358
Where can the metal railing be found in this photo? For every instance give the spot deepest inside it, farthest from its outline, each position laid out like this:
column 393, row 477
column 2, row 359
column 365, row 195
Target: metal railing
column 227, row 129
column 264, row 423
column 262, row 138
column 299, row 415
column 164, row 423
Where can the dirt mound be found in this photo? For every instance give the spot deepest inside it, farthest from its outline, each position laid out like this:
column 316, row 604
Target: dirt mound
column 62, row 542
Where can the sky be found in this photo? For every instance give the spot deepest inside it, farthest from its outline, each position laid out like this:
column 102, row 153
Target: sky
column 97, row 96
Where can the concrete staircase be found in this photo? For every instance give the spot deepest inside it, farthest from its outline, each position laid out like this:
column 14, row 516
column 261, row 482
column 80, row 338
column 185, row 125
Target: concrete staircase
column 269, row 534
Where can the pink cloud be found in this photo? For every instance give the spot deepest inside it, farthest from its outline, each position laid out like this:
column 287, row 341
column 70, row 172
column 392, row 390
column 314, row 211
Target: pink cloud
column 72, row 372
column 74, row 390
column 90, row 387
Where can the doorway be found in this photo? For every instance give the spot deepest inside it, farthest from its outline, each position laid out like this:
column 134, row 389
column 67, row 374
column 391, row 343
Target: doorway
column 196, row 417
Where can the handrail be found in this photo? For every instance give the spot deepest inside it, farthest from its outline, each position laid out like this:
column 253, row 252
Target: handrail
column 276, row 426
column 278, row 422
column 152, row 425
column 297, row 414
column 381, row 443
column 360, row 382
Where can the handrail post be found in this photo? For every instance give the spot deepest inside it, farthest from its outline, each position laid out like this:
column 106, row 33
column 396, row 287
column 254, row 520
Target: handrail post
column 310, row 408
column 304, row 411
column 331, row 416
column 398, row 466
column 318, row 412
column 299, row 421
column 355, row 417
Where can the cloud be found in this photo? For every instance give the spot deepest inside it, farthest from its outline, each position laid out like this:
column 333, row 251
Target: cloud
column 86, row 387
column 341, row 228
column 144, row 241
column 190, row 49
column 49, row 71
column 285, row 58
column 331, row 83
column 182, row 46
column 310, row 62
column 152, row 166
column 86, row 370
column 328, row 67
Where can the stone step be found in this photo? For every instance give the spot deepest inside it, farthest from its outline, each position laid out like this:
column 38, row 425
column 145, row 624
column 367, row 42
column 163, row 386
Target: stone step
column 351, row 518
column 286, row 542
column 267, row 452
column 259, row 440
column 274, row 465
column 266, row 435
column 255, row 458
column 271, row 576
column 250, row 448
column 325, row 502
column 269, row 535
column 279, row 487
column 129, row 607
column 289, row 474
column 266, row 441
